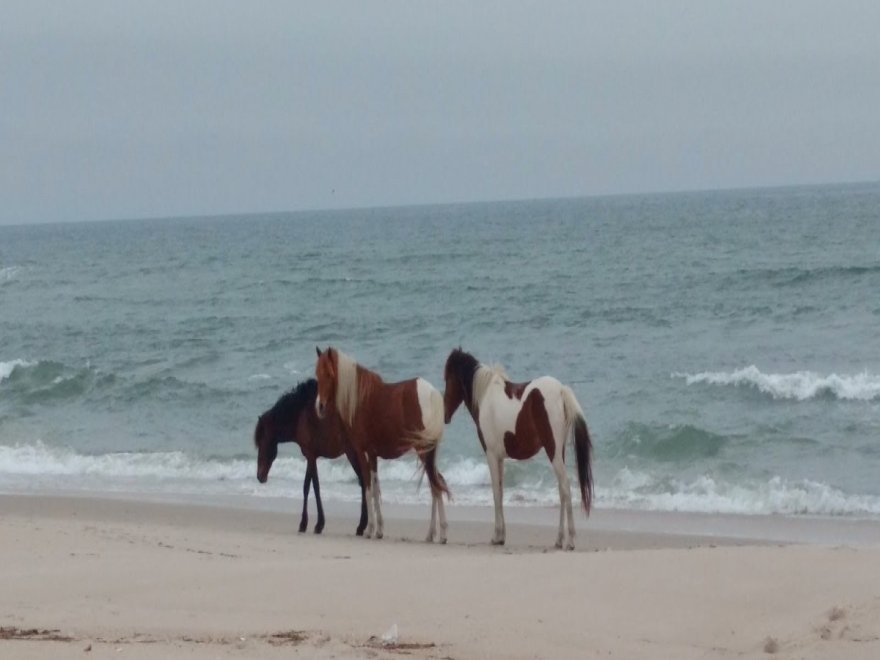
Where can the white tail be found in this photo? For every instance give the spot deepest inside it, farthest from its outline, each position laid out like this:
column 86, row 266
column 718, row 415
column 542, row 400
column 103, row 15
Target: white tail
column 583, row 445
column 571, row 407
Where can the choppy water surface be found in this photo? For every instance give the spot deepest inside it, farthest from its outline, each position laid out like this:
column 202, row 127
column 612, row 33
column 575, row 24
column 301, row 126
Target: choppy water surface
column 724, row 345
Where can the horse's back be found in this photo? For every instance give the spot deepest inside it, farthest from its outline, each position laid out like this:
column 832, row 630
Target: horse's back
column 502, row 408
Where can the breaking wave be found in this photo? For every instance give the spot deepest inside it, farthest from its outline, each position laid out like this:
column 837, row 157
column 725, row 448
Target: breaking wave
column 6, row 368
column 707, row 494
column 39, row 467
column 799, row 386
column 8, row 273
column 668, row 443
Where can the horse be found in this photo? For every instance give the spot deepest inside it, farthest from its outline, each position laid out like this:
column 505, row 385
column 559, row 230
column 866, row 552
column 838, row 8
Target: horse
column 293, row 419
column 384, row 420
column 515, row 420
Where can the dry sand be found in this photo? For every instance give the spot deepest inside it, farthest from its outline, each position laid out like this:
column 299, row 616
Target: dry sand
column 97, row 578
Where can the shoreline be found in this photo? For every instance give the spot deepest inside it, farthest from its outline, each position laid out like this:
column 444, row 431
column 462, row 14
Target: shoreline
column 128, row 578
column 697, row 527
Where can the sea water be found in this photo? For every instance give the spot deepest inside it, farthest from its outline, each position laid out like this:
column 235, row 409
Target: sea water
column 725, row 346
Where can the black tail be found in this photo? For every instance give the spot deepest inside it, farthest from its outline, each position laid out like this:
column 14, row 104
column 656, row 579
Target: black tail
column 438, row 483
column 583, row 449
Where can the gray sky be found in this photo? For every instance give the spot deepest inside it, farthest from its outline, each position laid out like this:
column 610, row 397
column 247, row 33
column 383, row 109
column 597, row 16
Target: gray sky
column 128, row 109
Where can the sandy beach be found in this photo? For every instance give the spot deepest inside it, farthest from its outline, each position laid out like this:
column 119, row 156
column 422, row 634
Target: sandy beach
column 104, row 578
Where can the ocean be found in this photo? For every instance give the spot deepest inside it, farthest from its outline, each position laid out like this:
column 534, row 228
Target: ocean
column 724, row 345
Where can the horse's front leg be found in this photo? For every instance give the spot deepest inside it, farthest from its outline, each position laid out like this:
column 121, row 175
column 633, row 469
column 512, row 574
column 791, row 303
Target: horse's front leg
column 355, row 464
column 307, row 483
column 319, row 527
column 364, row 462
column 496, row 471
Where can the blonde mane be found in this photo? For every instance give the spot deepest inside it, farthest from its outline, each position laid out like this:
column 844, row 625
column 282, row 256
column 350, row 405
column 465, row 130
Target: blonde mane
column 484, row 376
column 347, row 395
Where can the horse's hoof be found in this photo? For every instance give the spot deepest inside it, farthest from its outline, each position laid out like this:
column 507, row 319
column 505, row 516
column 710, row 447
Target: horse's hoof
column 569, row 547
column 559, row 544
column 429, row 538
column 443, row 541
column 379, row 535
column 319, row 529
column 302, row 529
column 359, row 531
column 497, row 541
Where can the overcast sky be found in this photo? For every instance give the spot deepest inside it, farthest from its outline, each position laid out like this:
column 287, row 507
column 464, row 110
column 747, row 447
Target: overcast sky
column 130, row 109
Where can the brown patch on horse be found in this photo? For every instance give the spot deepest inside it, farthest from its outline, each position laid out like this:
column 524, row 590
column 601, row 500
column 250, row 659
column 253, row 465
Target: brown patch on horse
column 391, row 430
column 532, row 430
column 387, row 416
column 409, row 405
column 514, row 390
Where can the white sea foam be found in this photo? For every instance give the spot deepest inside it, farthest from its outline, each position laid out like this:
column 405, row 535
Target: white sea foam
column 38, row 466
column 6, row 368
column 800, row 385
column 8, row 273
column 705, row 494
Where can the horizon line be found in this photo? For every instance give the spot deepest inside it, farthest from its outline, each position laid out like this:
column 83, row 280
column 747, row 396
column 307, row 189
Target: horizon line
column 374, row 207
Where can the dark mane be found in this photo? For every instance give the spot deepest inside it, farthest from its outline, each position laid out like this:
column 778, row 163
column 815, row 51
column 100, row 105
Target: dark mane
column 287, row 409
column 464, row 365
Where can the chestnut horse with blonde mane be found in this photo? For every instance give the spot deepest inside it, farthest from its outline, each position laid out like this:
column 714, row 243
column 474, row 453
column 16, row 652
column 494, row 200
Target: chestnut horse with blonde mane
column 384, row 420
column 517, row 420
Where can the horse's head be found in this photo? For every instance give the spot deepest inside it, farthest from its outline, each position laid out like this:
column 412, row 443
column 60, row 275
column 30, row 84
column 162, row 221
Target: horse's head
column 326, row 373
column 266, row 442
column 459, row 376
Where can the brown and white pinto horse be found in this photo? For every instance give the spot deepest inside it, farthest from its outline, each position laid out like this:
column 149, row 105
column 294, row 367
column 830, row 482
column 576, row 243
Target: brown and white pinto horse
column 384, row 420
column 517, row 420
column 293, row 419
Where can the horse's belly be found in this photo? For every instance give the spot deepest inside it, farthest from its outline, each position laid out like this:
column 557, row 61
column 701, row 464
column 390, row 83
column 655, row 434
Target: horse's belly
column 521, row 446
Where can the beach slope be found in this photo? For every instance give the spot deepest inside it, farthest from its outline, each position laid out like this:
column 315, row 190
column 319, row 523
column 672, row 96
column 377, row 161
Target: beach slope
column 98, row 578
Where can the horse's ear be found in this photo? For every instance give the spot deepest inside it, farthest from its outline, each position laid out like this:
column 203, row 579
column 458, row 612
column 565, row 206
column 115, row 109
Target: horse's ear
column 318, row 350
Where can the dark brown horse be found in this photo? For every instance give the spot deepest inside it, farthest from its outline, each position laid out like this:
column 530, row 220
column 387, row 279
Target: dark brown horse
column 517, row 420
column 293, row 419
column 384, row 420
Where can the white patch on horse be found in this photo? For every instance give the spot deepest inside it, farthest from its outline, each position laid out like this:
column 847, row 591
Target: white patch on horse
column 431, row 406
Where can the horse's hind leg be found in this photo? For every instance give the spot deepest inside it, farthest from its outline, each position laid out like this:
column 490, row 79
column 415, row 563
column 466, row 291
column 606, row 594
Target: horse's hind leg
column 432, row 529
column 564, row 503
column 377, row 497
column 442, row 513
column 319, row 527
column 436, row 481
